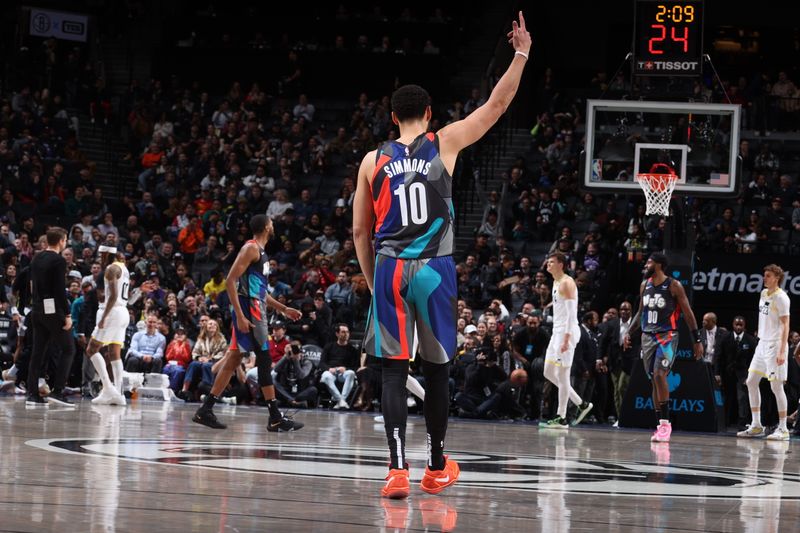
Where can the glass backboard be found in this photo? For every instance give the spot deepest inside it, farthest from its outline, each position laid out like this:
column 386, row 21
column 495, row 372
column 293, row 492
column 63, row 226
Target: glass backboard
column 698, row 142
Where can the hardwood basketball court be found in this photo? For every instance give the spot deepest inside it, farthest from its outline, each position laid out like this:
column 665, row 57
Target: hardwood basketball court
column 147, row 467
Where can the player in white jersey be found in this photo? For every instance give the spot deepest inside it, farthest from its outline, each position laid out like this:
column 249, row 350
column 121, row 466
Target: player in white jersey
column 112, row 321
column 769, row 361
column 560, row 351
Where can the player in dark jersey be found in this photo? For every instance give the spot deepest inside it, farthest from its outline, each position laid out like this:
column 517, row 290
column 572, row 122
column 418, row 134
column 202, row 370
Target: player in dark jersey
column 247, row 289
column 404, row 195
column 661, row 301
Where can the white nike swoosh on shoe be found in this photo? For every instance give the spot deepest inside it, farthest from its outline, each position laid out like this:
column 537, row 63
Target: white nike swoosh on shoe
column 443, row 479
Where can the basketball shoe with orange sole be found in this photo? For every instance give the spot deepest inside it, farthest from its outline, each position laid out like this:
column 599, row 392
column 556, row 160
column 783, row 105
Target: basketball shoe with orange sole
column 435, row 481
column 397, row 486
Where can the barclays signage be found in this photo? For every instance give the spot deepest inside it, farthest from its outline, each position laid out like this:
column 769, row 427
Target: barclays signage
column 676, row 405
column 693, row 402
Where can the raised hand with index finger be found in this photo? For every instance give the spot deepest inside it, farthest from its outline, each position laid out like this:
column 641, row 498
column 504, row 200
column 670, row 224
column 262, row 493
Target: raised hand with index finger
column 519, row 37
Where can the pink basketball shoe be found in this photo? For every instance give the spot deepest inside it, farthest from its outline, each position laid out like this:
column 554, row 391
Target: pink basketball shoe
column 662, row 433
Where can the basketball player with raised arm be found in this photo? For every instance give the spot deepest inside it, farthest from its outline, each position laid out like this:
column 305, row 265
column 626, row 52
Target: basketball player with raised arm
column 247, row 289
column 661, row 300
column 561, row 350
column 112, row 322
column 770, row 359
column 404, row 194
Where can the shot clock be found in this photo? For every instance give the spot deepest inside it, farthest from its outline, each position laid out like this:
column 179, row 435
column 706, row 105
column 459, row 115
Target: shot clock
column 668, row 38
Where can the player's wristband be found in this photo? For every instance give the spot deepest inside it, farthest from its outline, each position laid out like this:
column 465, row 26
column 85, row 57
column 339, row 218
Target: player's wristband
column 523, row 54
column 696, row 336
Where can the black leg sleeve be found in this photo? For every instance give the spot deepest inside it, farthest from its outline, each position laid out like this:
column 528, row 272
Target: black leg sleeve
column 437, row 406
column 264, row 366
column 395, row 408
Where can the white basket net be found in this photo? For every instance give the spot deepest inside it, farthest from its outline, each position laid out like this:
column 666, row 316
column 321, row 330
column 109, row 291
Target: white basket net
column 657, row 191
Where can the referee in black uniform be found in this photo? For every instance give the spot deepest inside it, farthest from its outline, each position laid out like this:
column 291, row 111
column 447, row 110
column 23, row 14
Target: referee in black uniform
column 51, row 319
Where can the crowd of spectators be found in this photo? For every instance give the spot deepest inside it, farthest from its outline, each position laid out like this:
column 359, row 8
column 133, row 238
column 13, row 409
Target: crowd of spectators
column 205, row 163
column 539, row 209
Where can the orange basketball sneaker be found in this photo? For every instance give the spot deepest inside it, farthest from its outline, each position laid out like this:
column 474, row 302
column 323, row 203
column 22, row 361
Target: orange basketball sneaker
column 397, row 485
column 435, row 481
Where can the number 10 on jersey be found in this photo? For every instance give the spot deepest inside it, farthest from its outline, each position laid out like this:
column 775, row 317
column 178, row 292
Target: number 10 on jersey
column 413, row 202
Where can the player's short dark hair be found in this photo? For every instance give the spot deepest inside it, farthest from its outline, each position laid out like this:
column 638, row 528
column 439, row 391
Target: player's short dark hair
column 55, row 235
column 409, row 102
column 661, row 259
column 558, row 256
column 258, row 224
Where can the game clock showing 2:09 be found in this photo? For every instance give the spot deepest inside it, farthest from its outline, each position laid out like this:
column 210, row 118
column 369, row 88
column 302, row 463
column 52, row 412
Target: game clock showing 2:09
column 668, row 38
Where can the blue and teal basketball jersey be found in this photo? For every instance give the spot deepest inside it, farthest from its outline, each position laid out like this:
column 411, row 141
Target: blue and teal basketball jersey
column 412, row 198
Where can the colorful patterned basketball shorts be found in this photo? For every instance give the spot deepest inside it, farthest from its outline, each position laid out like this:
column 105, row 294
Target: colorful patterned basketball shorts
column 414, row 304
column 658, row 350
column 256, row 312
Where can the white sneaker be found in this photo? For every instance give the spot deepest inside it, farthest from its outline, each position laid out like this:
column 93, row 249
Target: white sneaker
column 342, row 404
column 411, row 402
column 117, row 398
column 752, row 432
column 105, row 397
column 779, row 434
column 378, row 419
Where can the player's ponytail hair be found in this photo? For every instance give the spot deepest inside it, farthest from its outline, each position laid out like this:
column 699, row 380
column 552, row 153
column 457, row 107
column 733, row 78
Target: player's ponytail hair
column 775, row 269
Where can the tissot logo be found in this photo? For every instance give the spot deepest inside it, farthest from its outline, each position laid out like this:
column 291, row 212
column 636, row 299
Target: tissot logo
column 538, row 473
column 681, row 66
